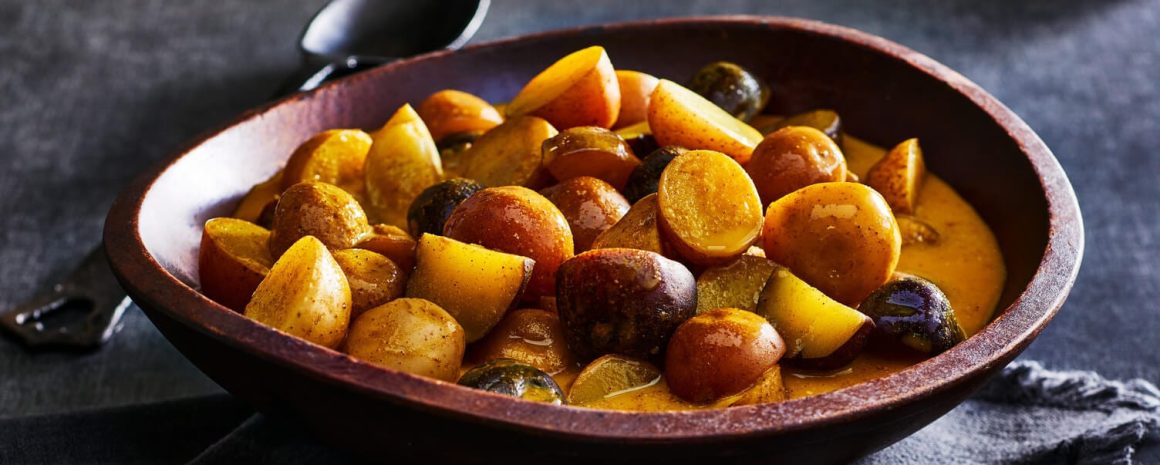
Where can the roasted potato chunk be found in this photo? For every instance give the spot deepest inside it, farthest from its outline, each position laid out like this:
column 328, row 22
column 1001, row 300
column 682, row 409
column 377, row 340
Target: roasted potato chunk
column 792, row 158
column 635, row 89
column 736, row 284
column 821, row 332
column 589, row 151
column 826, row 121
column 709, row 209
column 305, row 295
column 732, row 88
column 578, row 90
column 678, row 116
column 898, row 176
column 374, row 279
column 403, row 161
column 612, row 375
column 720, row 353
column 411, row 335
column 334, row 157
column 429, row 211
column 451, row 111
column 263, row 194
column 590, row 205
column 527, row 335
column 509, row 155
column 513, row 378
column 317, row 209
column 233, row 259
column 637, row 229
column 645, row 178
column 393, row 243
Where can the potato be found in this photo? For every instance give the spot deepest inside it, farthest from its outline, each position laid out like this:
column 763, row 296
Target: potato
column 393, row 243
column 635, row 89
column 589, row 151
column 305, row 295
column 429, row 211
column 639, row 138
column 403, row 161
column 411, row 335
column 374, row 279
column 769, row 389
column 916, row 231
column 645, row 178
column 612, row 375
column 251, row 206
column 637, row 229
column 826, row 121
column 720, row 353
column 736, row 284
column 821, row 332
column 510, row 154
column 518, row 221
column 527, row 335
column 335, row 157
column 450, row 112
column 765, row 123
column 514, row 378
column 898, row 176
column 792, row 158
column 732, row 88
column 317, row 209
column 232, row 260
column 578, row 90
column 451, row 150
column 623, row 301
column 473, row 284
column 590, row 205
column 678, row 116
column 708, row 207
column 839, row 237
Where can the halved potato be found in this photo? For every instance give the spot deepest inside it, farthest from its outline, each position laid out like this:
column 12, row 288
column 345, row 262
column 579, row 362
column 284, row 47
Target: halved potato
column 403, row 161
column 898, row 176
column 612, row 375
column 255, row 201
column 335, row 157
column 317, row 209
column 411, row 335
column 589, row 151
column 820, row 332
column 305, row 295
column 374, row 279
column 637, row 229
column 451, row 111
column 678, row 116
column 527, row 335
column 736, row 284
column 510, row 154
column 233, row 259
column 391, row 242
column 635, row 90
column 578, row 90
column 473, row 284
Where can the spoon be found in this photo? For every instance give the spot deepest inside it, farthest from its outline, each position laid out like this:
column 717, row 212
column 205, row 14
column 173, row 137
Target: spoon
column 344, row 37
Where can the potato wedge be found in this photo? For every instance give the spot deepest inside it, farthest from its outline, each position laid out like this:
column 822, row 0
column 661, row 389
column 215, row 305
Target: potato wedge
column 736, row 284
column 473, row 284
column 637, row 229
column 510, row 154
column 403, row 161
column 898, row 176
column 708, row 207
column 635, row 89
column 821, row 332
column 578, row 90
column 335, row 157
column 411, row 335
column 233, row 259
column 678, row 116
column 374, row 279
column 305, row 295
column 317, row 209
column 451, row 111
column 391, row 242
column 527, row 335
column 255, row 201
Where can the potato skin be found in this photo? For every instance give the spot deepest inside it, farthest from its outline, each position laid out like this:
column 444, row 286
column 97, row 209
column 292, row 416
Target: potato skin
column 639, row 228
column 589, row 151
column 335, row 157
column 452, row 111
column 429, row 211
column 678, row 116
column 899, row 175
column 317, row 209
column 644, row 178
column 792, row 158
column 232, row 260
column 373, row 278
column 509, row 154
column 623, row 301
column 720, row 353
column 391, row 242
column 590, row 205
column 635, row 89
column 527, row 335
column 305, row 295
column 411, row 335
column 592, row 99
column 518, row 221
column 732, row 88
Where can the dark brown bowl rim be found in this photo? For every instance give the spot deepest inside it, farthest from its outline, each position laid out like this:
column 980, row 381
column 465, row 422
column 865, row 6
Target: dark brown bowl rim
column 994, row 346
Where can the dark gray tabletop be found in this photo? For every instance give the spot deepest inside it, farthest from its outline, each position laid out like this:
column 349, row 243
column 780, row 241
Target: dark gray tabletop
column 93, row 92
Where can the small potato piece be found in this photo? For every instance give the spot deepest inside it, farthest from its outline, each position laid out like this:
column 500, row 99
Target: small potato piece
column 623, row 301
column 678, row 116
column 429, row 211
column 411, row 335
column 720, row 353
column 528, row 335
column 639, row 137
column 403, row 161
column 232, row 260
column 637, row 229
column 792, row 158
column 612, row 375
column 393, row 243
column 335, row 157
column 769, row 389
column 826, row 121
column 635, row 89
column 590, row 205
column 839, row 237
column 732, row 88
column 916, row 313
column 513, row 378
column 737, row 284
column 317, row 209
column 451, row 150
column 821, row 332
column 374, row 279
column 510, row 154
column 766, row 124
column 578, row 90
column 589, row 151
column 709, row 209
column 898, row 176
column 252, row 205
column 305, row 295
column 451, row 111
column 644, row 178
column 473, row 284
column 518, row 221
column 915, row 231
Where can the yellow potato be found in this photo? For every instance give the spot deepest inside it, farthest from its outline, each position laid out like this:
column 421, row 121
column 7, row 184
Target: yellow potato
column 450, row 112
column 411, row 335
column 335, row 157
column 819, row 332
column 305, row 295
column 637, row 229
column 473, row 284
column 317, row 209
column 635, row 89
column 678, row 116
column 578, row 90
column 509, row 155
column 736, row 284
column 374, row 279
column 769, row 389
column 391, row 242
column 898, row 176
column 403, row 161
column 252, row 205
column 527, row 335
column 612, row 375
column 232, row 260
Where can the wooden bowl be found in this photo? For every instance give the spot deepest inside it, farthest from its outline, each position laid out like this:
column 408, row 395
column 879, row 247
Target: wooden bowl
column 884, row 92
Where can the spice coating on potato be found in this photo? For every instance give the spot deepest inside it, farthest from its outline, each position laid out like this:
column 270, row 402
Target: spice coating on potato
column 393, row 243
column 720, row 353
column 411, row 335
column 678, row 116
column 403, row 161
column 589, row 151
column 429, row 211
column 839, row 237
column 578, row 90
column 645, row 178
column 528, row 335
column 709, row 208
column 769, row 389
column 335, row 157
column 509, row 155
column 898, row 176
column 305, row 295
column 452, row 111
column 826, row 121
column 792, row 158
column 635, row 89
column 374, row 279
column 518, row 221
column 590, row 205
column 232, row 260
column 317, row 209
column 638, row 229
column 254, row 203
column 732, row 88
column 820, row 332
column 736, row 284
column 623, row 301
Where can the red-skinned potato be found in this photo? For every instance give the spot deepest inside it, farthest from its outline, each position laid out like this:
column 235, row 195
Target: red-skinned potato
column 391, row 242
column 578, row 90
column 527, row 335
column 590, row 205
column 452, row 111
column 317, row 209
column 232, row 260
column 305, row 295
column 820, row 332
column 589, row 151
column 720, row 353
column 635, row 90
column 411, row 335
column 792, row 158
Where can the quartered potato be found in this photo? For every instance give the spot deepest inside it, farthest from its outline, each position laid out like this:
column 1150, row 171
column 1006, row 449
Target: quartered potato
column 709, row 210
column 612, row 375
column 678, row 116
column 820, row 332
column 589, row 151
column 590, row 205
column 317, row 209
column 898, row 176
column 720, row 353
column 473, row 284
column 510, row 154
column 450, row 112
column 792, row 158
column 638, row 229
column 736, row 284
column 411, row 335
column 527, row 335
column 256, row 201
column 578, row 90
column 391, row 242
column 305, row 295
column 334, row 157
column 732, row 88
column 635, row 90
column 403, row 161
column 374, row 279
column 233, row 258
